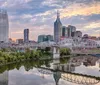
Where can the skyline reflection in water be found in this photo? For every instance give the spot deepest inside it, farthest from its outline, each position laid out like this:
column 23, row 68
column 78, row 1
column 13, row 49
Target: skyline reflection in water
column 32, row 76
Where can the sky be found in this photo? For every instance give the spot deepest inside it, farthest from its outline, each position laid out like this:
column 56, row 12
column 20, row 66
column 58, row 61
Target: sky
column 39, row 16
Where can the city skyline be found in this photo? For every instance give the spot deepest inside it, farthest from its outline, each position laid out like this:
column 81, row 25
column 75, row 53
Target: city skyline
column 39, row 16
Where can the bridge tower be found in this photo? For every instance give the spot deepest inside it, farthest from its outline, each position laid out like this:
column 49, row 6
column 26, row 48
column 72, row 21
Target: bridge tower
column 56, row 52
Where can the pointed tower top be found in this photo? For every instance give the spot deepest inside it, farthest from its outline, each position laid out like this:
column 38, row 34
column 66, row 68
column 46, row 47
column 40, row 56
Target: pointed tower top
column 58, row 14
column 58, row 18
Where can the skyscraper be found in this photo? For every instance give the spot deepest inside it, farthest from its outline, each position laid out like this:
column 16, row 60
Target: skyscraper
column 78, row 34
column 4, row 26
column 71, row 31
column 64, row 31
column 57, row 28
column 26, row 35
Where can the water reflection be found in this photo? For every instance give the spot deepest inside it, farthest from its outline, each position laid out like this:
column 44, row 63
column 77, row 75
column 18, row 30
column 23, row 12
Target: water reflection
column 52, row 72
column 4, row 78
column 82, row 64
column 70, row 67
column 86, row 60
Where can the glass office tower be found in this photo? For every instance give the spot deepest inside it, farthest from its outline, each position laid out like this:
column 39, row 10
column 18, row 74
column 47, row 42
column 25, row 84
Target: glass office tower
column 57, row 29
column 4, row 26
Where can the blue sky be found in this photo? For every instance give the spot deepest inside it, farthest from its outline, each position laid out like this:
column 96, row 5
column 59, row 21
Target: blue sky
column 39, row 16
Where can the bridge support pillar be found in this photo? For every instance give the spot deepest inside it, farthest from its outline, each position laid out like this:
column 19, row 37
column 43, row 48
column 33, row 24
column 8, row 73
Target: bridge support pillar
column 56, row 52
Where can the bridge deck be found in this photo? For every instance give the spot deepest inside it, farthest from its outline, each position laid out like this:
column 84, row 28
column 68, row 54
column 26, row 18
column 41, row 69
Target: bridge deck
column 97, row 78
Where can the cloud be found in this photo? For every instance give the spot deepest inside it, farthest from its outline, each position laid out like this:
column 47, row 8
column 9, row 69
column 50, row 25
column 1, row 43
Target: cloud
column 67, row 3
column 3, row 3
column 18, row 32
column 39, row 15
column 92, row 25
column 93, row 17
column 77, row 9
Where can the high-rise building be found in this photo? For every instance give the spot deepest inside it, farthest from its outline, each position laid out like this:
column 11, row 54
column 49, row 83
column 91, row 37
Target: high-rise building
column 78, row 34
column 71, row 31
column 20, row 41
column 57, row 28
column 98, row 38
column 4, row 26
column 49, row 38
column 85, row 36
column 26, row 35
column 64, row 31
column 42, row 38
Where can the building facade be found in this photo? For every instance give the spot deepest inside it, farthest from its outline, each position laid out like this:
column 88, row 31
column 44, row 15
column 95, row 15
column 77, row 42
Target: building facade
column 78, row 34
column 71, row 31
column 57, row 29
column 26, row 35
column 64, row 31
column 4, row 26
column 43, row 38
column 19, row 41
column 49, row 38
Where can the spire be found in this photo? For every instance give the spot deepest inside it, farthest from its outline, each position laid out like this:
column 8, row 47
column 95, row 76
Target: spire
column 58, row 14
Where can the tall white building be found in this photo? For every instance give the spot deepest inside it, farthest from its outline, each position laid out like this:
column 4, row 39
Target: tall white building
column 4, row 26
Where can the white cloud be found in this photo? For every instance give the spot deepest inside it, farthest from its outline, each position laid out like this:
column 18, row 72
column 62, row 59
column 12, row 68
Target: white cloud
column 92, row 25
column 26, row 16
column 22, row 16
column 18, row 1
column 56, row 3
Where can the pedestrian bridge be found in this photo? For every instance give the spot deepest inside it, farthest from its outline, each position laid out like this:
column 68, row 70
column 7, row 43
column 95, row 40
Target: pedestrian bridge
column 75, row 49
column 79, row 47
column 66, row 72
column 70, row 77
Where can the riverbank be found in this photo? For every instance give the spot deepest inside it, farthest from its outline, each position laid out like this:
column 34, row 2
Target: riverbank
column 37, row 64
column 9, row 57
column 29, row 64
column 41, row 59
column 96, row 55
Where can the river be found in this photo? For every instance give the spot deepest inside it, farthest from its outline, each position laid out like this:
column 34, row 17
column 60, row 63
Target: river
column 52, row 72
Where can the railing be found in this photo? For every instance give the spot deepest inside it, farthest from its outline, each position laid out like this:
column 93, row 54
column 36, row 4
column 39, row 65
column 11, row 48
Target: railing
column 71, row 77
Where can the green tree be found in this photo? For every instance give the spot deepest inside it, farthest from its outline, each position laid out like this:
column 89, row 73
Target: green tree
column 65, row 51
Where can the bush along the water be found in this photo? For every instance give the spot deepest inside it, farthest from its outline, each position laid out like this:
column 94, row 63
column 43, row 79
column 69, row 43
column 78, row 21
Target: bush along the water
column 10, row 57
column 65, row 51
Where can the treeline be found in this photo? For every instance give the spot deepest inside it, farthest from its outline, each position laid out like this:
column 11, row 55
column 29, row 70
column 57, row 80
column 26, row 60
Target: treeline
column 28, row 65
column 14, row 56
column 65, row 51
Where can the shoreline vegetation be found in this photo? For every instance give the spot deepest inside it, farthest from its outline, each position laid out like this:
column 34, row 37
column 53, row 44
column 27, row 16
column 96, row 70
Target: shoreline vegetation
column 10, row 60
column 28, row 65
column 9, row 56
